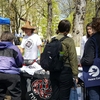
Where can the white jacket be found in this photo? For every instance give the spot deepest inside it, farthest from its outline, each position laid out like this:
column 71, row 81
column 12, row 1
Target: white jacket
column 83, row 41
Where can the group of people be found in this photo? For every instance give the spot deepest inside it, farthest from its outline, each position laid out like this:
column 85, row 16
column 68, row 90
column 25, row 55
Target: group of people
column 12, row 57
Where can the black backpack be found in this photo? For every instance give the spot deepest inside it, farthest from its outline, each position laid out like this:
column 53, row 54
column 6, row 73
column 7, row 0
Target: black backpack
column 52, row 57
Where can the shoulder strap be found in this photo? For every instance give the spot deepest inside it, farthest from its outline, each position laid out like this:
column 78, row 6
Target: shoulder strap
column 63, row 38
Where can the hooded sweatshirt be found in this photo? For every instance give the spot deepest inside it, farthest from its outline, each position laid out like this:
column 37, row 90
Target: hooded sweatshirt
column 10, row 58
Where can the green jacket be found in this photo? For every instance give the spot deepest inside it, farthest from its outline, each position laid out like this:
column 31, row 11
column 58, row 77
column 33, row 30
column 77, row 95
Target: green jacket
column 70, row 52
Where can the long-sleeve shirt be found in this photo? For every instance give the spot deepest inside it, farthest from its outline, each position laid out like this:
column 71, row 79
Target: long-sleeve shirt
column 83, row 41
column 10, row 58
column 70, row 52
column 90, row 50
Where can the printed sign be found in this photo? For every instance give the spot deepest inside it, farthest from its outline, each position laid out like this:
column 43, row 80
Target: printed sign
column 38, row 89
column 42, row 88
column 91, row 76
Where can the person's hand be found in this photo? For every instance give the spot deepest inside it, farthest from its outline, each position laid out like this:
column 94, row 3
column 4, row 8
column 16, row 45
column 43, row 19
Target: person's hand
column 38, row 58
column 79, row 65
column 76, row 80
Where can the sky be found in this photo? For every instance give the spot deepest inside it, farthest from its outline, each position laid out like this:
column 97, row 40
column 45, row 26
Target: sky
column 63, row 6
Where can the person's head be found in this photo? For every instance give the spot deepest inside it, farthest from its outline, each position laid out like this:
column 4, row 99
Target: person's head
column 89, row 30
column 96, row 24
column 7, row 36
column 27, row 28
column 64, row 26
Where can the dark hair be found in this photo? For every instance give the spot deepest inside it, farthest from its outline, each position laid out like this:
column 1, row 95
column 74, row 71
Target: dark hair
column 96, row 24
column 88, row 25
column 57, row 31
column 7, row 36
column 64, row 26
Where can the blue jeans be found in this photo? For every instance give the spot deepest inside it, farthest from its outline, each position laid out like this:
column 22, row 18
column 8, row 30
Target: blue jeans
column 94, row 93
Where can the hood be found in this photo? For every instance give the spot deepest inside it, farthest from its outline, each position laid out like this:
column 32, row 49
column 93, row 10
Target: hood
column 4, row 45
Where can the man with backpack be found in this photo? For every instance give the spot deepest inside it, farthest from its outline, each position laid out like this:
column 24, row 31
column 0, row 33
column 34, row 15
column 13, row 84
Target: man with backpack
column 61, row 74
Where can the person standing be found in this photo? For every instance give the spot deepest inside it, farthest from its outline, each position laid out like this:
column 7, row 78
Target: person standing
column 62, row 81
column 10, row 62
column 89, row 33
column 31, row 43
column 89, row 55
column 31, row 48
column 84, row 39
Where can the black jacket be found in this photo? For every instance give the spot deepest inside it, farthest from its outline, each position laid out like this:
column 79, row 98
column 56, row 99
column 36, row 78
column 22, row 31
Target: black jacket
column 90, row 50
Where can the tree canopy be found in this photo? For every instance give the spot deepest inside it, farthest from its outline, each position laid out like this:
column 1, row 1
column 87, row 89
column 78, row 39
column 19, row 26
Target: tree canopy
column 45, row 14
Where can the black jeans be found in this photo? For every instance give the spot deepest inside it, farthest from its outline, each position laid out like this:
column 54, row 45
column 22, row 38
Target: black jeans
column 10, row 82
column 61, row 84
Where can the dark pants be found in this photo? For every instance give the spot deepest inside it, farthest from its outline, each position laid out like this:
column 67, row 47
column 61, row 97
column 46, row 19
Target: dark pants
column 10, row 82
column 24, row 77
column 94, row 93
column 61, row 84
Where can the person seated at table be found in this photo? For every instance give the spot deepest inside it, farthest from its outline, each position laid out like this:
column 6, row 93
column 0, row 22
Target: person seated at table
column 10, row 61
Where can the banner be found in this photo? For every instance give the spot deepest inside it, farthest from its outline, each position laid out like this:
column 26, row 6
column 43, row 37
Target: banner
column 91, row 75
column 38, row 89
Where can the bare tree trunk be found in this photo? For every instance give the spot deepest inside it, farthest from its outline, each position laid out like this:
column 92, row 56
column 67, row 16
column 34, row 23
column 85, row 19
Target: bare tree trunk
column 97, row 8
column 80, row 8
column 49, row 19
column 12, row 16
